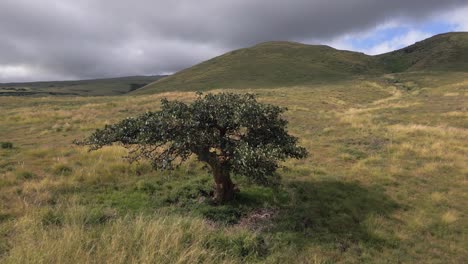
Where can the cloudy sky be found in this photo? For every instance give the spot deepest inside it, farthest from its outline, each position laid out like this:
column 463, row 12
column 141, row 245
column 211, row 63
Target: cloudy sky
column 77, row 39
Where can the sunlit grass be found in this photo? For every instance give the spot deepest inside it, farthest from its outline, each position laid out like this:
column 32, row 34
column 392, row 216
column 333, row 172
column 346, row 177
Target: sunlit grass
column 385, row 182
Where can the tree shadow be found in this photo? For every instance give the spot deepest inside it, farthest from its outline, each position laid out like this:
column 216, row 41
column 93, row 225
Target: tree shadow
column 332, row 212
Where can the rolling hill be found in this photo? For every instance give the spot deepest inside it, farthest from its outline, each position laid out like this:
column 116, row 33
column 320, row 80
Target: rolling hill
column 270, row 64
column 275, row 64
column 110, row 86
column 444, row 52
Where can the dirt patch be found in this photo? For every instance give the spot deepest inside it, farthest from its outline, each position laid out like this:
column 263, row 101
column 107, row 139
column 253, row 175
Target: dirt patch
column 258, row 219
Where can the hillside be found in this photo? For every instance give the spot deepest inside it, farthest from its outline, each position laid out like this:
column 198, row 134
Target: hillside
column 110, row 86
column 269, row 64
column 446, row 52
column 274, row 64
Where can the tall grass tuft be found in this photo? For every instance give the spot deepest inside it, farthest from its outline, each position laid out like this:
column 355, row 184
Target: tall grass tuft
column 164, row 239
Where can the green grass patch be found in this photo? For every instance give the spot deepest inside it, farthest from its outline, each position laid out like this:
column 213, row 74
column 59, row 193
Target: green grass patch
column 6, row 145
column 24, row 175
column 62, row 169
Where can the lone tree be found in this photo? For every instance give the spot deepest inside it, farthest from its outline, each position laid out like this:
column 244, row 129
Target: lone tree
column 232, row 133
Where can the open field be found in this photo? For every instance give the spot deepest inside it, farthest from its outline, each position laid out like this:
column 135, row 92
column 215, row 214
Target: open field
column 95, row 87
column 386, row 182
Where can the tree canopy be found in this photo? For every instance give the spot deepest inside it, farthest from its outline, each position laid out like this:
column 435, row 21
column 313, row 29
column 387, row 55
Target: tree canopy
column 232, row 133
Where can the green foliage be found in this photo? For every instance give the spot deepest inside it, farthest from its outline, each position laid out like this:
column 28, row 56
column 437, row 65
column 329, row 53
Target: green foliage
column 230, row 132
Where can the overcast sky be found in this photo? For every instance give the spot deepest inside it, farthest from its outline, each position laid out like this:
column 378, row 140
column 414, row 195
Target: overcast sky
column 76, row 39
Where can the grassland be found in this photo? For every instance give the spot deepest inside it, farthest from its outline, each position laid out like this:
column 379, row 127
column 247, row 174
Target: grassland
column 386, row 182
column 94, row 87
column 443, row 52
column 281, row 64
column 270, row 64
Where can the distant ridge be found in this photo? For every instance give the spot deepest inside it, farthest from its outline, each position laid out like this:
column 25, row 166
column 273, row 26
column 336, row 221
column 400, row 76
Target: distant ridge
column 443, row 52
column 281, row 63
column 269, row 64
column 91, row 87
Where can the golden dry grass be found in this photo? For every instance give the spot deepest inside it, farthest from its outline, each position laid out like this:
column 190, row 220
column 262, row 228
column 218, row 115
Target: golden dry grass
column 386, row 182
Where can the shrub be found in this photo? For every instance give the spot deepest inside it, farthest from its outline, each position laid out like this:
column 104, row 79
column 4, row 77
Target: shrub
column 6, row 145
column 230, row 133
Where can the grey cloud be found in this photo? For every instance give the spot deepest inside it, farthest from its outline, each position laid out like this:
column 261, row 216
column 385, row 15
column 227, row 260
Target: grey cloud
column 102, row 38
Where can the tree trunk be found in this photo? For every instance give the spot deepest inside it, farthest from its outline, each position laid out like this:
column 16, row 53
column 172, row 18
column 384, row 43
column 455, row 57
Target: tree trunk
column 224, row 188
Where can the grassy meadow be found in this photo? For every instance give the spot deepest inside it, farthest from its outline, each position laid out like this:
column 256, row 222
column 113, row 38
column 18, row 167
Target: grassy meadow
column 92, row 87
column 386, row 182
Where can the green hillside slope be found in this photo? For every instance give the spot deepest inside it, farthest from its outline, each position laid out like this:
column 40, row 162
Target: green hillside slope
column 111, row 86
column 274, row 64
column 269, row 64
column 446, row 52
